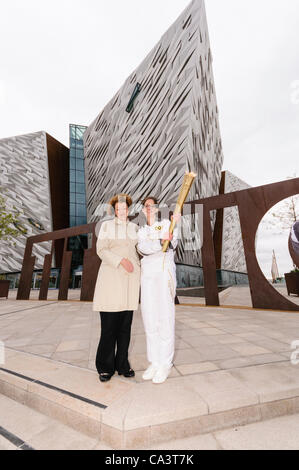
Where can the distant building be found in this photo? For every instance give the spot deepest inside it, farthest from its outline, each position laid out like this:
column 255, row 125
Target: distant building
column 229, row 250
column 77, row 198
column 34, row 181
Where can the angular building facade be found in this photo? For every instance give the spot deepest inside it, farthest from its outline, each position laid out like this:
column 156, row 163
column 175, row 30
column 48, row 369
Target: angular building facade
column 34, row 172
column 228, row 241
column 162, row 122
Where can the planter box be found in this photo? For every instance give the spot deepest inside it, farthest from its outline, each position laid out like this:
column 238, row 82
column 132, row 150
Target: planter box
column 292, row 282
column 4, row 288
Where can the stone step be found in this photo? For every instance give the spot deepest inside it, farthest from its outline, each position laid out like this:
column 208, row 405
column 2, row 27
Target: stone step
column 127, row 414
column 23, row 428
column 34, row 431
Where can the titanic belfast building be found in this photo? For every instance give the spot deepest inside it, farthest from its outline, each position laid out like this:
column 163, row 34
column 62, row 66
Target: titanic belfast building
column 160, row 124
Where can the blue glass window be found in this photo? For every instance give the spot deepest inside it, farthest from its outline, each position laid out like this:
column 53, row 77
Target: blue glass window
column 79, row 153
column 73, row 132
column 79, row 132
column 80, row 188
column 72, row 163
column 81, row 220
column 80, row 177
column 80, row 199
column 79, row 164
column 77, row 176
column 79, row 144
column 73, row 176
column 73, row 209
column 80, row 210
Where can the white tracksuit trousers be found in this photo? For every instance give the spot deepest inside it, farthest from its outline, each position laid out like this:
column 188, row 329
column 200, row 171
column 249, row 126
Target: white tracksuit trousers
column 158, row 288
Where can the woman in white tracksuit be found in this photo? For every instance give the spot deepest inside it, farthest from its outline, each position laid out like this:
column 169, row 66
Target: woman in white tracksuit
column 158, row 289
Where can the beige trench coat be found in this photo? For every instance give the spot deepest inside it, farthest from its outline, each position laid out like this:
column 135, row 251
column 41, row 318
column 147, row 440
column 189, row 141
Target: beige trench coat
column 117, row 290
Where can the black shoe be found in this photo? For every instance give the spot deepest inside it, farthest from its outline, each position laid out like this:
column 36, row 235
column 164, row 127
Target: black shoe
column 105, row 377
column 129, row 373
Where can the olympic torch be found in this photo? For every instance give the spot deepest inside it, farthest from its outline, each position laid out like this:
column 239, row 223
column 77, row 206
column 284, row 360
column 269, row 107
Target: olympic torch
column 186, row 186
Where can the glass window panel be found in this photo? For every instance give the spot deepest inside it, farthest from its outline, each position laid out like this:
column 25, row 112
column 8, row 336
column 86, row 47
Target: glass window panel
column 73, row 176
column 79, row 153
column 80, row 199
column 79, row 144
column 80, row 188
column 72, row 197
column 81, row 220
column 79, row 132
column 72, row 209
column 73, row 221
column 72, row 142
column 80, row 177
column 72, row 132
column 72, row 153
column 72, row 187
column 73, row 163
column 80, row 210
column 79, row 164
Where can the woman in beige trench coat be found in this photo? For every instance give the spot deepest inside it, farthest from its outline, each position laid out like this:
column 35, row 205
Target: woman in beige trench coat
column 116, row 293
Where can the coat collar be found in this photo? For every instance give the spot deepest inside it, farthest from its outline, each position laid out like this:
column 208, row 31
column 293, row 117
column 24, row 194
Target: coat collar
column 120, row 222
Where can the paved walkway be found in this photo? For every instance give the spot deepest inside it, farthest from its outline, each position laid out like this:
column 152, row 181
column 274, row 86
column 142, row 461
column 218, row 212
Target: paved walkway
column 231, row 367
column 207, row 339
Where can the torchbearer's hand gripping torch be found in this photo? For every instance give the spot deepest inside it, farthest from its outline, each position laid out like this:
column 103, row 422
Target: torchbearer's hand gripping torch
column 186, row 186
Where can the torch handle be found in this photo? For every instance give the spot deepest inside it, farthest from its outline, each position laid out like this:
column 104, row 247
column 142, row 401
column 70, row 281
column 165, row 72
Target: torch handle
column 171, row 229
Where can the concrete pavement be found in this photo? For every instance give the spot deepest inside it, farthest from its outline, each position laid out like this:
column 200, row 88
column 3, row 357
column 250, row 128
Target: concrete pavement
column 232, row 368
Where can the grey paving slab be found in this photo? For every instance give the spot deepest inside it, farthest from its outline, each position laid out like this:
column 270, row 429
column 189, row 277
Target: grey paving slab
column 275, row 434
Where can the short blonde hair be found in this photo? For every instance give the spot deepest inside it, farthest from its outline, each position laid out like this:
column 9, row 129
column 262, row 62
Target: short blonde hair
column 120, row 198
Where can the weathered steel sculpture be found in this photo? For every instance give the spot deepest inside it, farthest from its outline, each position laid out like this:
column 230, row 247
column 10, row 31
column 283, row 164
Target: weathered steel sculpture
column 252, row 205
column 91, row 264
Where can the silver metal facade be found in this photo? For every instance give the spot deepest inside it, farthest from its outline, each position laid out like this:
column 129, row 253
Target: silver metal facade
column 25, row 186
column 173, row 126
column 233, row 257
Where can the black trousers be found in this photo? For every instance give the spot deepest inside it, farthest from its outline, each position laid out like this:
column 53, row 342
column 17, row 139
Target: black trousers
column 112, row 354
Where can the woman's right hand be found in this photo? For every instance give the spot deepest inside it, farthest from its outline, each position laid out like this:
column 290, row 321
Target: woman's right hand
column 127, row 265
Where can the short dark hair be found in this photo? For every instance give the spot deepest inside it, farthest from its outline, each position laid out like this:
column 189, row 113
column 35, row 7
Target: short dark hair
column 150, row 197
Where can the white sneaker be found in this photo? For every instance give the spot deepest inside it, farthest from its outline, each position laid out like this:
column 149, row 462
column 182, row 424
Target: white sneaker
column 161, row 374
column 150, row 372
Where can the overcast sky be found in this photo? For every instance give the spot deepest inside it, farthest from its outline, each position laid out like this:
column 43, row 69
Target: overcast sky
column 63, row 60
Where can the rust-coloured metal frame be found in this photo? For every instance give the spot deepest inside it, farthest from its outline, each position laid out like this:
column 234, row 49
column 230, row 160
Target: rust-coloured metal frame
column 91, row 264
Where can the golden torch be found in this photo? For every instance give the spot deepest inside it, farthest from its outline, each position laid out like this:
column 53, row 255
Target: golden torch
column 186, row 186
